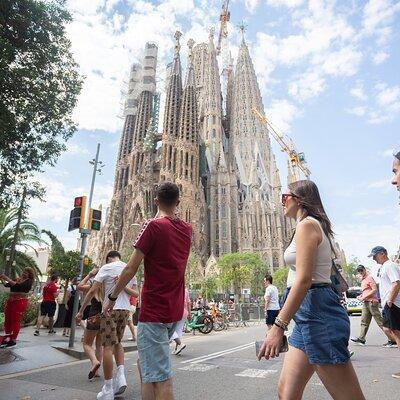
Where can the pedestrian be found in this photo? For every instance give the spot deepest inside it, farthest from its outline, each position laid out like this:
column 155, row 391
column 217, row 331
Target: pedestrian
column 48, row 306
column 16, row 304
column 389, row 288
column 271, row 298
column 177, row 336
column 131, row 326
column 200, row 302
column 164, row 244
column 112, row 326
column 69, row 306
column 320, row 337
column 369, row 297
column 92, row 329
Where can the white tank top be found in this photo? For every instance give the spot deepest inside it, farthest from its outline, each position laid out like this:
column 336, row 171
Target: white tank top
column 323, row 260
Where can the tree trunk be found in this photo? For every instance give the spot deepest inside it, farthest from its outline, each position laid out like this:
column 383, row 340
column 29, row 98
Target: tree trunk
column 9, row 267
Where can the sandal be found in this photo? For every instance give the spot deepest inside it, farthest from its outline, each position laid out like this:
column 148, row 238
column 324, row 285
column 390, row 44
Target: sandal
column 93, row 371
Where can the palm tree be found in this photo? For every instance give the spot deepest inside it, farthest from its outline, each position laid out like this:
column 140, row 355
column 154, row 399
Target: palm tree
column 28, row 234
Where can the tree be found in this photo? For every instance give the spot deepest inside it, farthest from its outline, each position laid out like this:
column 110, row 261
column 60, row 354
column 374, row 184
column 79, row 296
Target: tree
column 193, row 277
column 236, row 270
column 125, row 256
column 259, row 269
column 64, row 264
column 350, row 271
column 39, row 88
column 26, row 234
column 280, row 278
column 209, row 287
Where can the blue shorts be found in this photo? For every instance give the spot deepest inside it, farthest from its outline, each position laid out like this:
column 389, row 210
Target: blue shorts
column 153, row 348
column 322, row 328
column 271, row 316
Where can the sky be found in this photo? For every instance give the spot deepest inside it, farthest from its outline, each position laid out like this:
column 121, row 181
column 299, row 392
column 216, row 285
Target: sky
column 329, row 76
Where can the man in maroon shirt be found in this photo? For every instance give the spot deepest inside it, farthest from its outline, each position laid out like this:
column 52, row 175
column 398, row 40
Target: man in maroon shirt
column 164, row 244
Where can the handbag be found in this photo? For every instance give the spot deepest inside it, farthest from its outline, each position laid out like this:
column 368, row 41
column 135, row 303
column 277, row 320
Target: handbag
column 339, row 284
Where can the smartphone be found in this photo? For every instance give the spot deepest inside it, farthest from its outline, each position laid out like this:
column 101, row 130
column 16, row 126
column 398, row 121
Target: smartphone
column 284, row 348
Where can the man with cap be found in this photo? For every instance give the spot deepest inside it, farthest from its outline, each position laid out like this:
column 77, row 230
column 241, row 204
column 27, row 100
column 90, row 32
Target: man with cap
column 389, row 288
column 370, row 299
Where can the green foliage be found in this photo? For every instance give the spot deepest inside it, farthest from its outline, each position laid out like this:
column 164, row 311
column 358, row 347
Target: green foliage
column 39, row 88
column 237, row 269
column 194, row 277
column 31, row 311
column 3, row 299
column 257, row 278
column 64, row 264
column 209, row 287
column 350, row 272
column 280, row 278
column 125, row 256
column 28, row 234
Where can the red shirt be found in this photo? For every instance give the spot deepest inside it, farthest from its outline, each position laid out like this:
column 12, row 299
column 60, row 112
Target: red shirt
column 165, row 243
column 49, row 291
column 367, row 285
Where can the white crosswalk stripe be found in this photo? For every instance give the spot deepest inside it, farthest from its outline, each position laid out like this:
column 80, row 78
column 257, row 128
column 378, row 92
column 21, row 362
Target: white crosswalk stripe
column 257, row 373
column 198, row 367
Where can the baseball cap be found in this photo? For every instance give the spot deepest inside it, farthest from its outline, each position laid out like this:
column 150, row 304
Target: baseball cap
column 376, row 250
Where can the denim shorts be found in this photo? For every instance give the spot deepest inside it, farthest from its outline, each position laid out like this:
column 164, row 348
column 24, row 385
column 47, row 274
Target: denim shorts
column 153, row 348
column 322, row 328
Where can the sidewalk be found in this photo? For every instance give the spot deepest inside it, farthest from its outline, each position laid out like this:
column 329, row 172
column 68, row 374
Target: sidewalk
column 40, row 351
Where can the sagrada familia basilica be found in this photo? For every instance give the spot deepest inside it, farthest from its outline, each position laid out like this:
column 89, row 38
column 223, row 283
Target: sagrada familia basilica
column 211, row 145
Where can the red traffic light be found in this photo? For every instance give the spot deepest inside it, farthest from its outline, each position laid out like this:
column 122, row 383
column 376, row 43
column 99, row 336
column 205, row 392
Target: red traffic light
column 78, row 201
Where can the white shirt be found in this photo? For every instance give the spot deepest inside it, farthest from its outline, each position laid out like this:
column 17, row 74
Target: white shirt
column 388, row 274
column 323, row 260
column 272, row 292
column 108, row 275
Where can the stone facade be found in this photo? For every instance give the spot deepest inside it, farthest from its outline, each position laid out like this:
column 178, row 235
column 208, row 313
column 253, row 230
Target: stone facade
column 211, row 145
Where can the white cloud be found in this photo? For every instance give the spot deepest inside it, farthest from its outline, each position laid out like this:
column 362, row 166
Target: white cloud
column 359, row 111
column 344, row 62
column 378, row 15
column 281, row 113
column 387, row 153
column 309, row 85
column 380, row 57
column 251, row 5
column 287, row 3
column 389, row 96
column 358, row 91
column 75, row 149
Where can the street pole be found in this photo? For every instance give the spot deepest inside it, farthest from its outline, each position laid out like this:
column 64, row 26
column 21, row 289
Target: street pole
column 84, row 237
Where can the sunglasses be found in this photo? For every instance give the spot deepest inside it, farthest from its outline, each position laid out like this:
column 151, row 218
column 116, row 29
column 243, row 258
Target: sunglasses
column 286, row 196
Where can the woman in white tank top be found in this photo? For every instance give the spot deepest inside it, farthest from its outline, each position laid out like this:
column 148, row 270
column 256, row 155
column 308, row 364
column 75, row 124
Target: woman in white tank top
column 319, row 341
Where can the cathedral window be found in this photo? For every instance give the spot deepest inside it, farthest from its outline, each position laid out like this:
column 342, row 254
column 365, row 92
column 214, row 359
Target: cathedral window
column 126, row 176
column 169, row 157
column 186, row 165
column 223, row 190
column 214, row 134
column 216, row 212
column 174, row 161
column 214, row 119
column 217, row 232
column 224, row 230
column 223, row 211
column 191, row 168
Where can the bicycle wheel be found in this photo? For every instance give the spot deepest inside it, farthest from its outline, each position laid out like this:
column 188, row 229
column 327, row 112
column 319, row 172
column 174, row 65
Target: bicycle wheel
column 207, row 323
column 219, row 324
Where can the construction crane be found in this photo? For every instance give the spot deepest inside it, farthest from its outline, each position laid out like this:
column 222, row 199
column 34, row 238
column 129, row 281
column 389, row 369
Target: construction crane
column 297, row 160
column 224, row 19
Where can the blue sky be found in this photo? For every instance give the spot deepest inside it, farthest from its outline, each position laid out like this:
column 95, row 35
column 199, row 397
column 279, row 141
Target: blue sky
column 329, row 76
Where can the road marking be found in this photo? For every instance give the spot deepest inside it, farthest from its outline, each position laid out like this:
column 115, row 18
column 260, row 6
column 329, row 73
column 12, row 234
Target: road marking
column 217, row 354
column 198, row 367
column 257, row 373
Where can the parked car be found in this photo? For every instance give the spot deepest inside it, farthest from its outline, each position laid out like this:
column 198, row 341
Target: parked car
column 353, row 305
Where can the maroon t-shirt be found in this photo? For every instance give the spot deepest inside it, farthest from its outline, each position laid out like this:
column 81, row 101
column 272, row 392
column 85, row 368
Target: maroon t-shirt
column 165, row 243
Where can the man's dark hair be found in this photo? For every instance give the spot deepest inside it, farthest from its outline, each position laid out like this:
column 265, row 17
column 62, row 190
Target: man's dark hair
column 167, row 193
column 361, row 268
column 397, row 155
column 113, row 254
column 53, row 278
column 268, row 278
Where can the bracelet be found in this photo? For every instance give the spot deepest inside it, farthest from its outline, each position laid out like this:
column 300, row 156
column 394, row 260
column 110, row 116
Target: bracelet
column 280, row 326
column 111, row 298
column 281, row 323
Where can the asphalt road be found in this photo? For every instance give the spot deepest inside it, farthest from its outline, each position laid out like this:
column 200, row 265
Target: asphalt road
column 219, row 366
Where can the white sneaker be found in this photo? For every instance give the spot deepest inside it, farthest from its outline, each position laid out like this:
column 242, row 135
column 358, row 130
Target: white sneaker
column 119, row 384
column 179, row 348
column 106, row 394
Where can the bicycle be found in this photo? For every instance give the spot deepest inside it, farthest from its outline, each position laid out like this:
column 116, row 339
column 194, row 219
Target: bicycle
column 201, row 321
column 219, row 319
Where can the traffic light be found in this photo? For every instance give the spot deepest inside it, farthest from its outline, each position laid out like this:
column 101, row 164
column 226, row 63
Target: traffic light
column 77, row 216
column 94, row 219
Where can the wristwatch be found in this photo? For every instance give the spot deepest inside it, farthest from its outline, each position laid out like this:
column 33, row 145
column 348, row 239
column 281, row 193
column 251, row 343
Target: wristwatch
column 112, row 298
